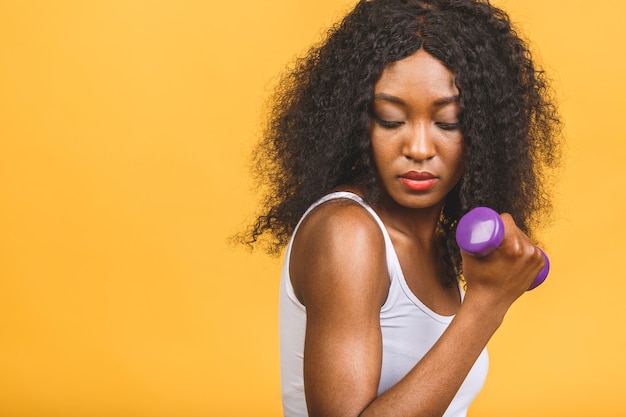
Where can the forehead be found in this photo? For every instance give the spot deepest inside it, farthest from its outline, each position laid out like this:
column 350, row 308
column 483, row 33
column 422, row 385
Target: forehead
column 417, row 71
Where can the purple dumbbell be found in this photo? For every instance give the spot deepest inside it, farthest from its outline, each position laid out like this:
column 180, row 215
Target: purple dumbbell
column 481, row 230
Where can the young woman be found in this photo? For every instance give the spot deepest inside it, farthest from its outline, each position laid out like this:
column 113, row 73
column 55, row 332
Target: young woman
column 407, row 116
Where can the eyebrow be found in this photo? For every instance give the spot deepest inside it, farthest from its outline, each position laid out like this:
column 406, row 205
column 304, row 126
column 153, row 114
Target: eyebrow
column 388, row 97
column 438, row 103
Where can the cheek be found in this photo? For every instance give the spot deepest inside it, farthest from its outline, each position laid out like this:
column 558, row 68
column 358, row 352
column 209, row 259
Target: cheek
column 383, row 156
column 377, row 158
column 457, row 160
column 380, row 150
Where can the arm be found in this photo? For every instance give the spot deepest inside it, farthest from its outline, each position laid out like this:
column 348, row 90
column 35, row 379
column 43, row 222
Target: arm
column 340, row 274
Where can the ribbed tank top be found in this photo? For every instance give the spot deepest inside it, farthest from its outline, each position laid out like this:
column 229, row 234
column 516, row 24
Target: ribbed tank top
column 409, row 330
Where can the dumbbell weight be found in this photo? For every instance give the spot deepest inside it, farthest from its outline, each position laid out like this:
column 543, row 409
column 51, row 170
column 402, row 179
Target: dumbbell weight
column 481, row 230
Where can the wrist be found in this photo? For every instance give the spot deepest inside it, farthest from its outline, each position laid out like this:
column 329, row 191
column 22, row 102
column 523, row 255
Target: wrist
column 488, row 310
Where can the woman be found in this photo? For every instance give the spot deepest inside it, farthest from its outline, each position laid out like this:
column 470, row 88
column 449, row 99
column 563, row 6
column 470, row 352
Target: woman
column 408, row 115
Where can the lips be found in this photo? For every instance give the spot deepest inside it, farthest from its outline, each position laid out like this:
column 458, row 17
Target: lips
column 418, row 176
column 418, row 181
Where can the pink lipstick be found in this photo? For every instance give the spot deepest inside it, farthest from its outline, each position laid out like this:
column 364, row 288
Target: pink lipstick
column 418, row 181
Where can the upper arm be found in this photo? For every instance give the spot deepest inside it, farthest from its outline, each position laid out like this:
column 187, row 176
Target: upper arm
column 339, row 272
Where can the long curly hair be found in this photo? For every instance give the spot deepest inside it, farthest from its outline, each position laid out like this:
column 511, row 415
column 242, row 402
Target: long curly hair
column 316, row 137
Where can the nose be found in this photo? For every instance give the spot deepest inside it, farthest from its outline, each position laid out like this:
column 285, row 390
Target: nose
column 419, row 144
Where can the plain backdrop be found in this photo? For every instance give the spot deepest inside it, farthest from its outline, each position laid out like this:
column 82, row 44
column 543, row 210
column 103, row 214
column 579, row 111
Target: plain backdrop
column 125, row 133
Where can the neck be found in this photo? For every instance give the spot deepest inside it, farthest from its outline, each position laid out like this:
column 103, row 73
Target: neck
column 416, row 224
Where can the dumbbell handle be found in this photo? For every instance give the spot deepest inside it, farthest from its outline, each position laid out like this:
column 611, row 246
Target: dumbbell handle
column 481, row 230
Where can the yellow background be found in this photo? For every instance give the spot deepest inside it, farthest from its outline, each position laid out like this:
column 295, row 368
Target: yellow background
column 125, row 131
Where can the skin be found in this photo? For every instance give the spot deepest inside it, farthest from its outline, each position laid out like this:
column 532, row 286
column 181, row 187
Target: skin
column 414, row 129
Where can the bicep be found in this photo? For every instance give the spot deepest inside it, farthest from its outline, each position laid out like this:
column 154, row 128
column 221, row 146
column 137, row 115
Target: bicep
column 342, row 360
column 340, row 271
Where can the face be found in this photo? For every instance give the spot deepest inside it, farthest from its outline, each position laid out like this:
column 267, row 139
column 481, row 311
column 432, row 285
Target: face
column 415, row 135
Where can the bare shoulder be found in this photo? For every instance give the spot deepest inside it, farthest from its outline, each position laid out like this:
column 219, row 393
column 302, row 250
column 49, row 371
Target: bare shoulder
column 340, row 247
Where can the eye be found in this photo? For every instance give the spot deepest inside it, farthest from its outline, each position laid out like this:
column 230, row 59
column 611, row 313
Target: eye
column 448, row 126
column 387, row 124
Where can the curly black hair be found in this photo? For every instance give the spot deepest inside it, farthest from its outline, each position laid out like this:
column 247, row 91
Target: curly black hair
column 316, row 137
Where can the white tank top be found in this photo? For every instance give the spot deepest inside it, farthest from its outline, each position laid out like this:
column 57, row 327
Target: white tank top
column 409, row 330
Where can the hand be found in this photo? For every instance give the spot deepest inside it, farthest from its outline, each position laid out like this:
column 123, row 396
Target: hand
column 508, row 271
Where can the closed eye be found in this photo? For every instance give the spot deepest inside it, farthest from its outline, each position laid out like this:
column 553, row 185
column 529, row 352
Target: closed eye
column 449, row 126
column 387, row 124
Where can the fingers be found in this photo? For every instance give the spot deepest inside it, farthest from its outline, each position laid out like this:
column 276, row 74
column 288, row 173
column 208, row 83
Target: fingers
column 518, row 248
column 516, row 243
